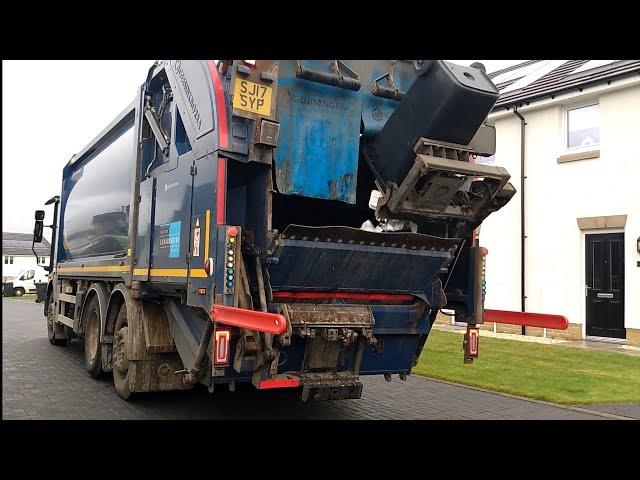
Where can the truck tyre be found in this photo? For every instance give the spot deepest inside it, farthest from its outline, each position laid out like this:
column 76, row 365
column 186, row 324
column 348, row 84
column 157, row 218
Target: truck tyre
column 51, row 329
column 18, row 292
column 120, row 357
column 92, row 347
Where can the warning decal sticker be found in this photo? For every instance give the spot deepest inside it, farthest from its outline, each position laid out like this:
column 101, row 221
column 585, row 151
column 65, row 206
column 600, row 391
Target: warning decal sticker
column 196, row 239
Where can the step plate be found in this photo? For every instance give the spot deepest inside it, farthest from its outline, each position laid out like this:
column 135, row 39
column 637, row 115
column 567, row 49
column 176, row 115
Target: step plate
column 301, row 315
column 330, row 387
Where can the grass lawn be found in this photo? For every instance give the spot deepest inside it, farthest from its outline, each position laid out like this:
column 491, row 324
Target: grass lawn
column 545, row 372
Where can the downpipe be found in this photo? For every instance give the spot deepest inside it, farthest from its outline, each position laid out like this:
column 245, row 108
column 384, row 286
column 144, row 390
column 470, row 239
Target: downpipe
column 523, row 296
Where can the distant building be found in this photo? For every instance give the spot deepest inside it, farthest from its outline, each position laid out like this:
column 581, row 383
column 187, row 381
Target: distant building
column 581, row 197
column 17, row 254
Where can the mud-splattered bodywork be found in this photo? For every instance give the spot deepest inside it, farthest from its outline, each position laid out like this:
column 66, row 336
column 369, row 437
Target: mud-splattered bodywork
column 246, row 186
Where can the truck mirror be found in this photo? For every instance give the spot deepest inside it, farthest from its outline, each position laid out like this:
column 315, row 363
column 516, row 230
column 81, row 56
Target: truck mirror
column 38, row 227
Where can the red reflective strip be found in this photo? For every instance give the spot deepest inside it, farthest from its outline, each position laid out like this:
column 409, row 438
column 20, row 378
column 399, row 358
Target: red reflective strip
column 223, row 142
column 279, row 383
column 543, row 320
column 221, row 109
column 250, row 319
column 347, row 295
column 221, row 191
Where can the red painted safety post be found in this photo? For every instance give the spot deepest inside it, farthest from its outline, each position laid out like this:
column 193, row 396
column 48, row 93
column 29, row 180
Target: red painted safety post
column 542, row 320
column 250, row 319
column 470, row 344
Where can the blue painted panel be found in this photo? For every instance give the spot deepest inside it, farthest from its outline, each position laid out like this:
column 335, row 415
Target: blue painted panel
column 319, row 140
column 306, row 265
column 95, row 201
column 172, row 218
column 142, row 255
column 375, row 110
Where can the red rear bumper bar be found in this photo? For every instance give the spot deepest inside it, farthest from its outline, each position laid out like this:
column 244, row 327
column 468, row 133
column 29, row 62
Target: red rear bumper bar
column 542, row 320
column 289, row 382
column 283, row 295
column 249, row 319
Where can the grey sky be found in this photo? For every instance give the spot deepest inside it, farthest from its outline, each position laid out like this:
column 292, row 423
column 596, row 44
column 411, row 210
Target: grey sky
column 51, row 110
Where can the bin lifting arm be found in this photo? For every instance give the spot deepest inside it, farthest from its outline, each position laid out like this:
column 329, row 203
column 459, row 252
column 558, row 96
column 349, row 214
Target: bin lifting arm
column 154, row 123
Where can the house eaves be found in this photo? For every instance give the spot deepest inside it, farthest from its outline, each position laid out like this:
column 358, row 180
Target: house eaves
column 561, row 81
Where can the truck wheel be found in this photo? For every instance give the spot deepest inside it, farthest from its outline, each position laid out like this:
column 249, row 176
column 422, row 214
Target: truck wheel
column 120, row 357
column 18, row 292
column 92, row 347
column 51, row 333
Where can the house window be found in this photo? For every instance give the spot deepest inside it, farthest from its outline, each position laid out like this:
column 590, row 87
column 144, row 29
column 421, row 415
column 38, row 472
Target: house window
column 8, row 260
column 583, row 126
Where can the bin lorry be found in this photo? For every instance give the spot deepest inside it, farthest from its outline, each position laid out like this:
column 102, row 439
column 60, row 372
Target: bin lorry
column 289, row 224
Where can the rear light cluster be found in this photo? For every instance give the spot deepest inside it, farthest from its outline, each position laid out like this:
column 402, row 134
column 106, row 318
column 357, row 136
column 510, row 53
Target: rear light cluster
column 230, row 259
column 221, row 347
column 473, row 335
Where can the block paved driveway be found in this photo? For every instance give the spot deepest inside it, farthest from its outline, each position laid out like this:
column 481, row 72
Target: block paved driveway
column 42, row 381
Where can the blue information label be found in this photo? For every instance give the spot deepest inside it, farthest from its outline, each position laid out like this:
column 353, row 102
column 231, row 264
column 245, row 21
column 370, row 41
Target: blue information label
column 170, row 238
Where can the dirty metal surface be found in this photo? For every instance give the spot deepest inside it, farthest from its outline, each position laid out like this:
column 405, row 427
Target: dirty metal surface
column 317, row 155
column 355, row 236
column 329, row 315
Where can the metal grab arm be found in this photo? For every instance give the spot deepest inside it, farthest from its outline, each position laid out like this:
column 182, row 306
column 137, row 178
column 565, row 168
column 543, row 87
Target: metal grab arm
column 154, row 123
column 390, row 92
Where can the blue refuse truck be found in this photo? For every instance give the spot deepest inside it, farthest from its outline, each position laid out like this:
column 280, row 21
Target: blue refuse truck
column 290, row 224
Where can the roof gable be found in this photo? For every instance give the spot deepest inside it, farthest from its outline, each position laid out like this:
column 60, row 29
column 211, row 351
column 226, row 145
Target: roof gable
column 20, row 244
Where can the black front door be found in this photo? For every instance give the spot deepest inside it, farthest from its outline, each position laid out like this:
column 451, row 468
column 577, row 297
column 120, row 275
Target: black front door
column 605, row 285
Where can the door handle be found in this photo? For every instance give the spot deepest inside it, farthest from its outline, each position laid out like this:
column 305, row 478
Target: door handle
column 605, row 295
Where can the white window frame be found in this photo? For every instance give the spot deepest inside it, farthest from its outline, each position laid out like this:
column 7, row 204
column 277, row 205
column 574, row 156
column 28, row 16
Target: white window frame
column 564, row 139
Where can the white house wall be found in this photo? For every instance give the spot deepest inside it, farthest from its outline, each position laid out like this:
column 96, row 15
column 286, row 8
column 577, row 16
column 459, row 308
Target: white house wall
column 556, row 195
column 20, row 262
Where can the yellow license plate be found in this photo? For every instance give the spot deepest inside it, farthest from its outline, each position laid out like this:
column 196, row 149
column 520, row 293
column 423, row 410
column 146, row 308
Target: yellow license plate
column 252, row 97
